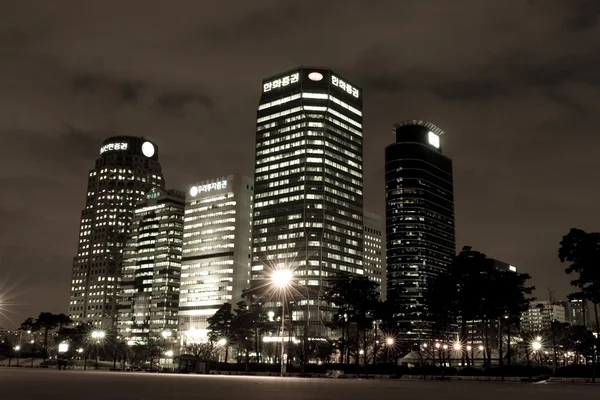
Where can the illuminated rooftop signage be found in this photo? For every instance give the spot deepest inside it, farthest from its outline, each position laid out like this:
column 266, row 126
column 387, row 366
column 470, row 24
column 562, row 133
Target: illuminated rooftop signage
column 281, row 82
column 433, row 139
column 153, row 194
column 196, row 190
column 344, row 86
column 113, row 146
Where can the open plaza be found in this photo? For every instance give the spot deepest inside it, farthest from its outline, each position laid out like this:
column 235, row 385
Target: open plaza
column 66, row 385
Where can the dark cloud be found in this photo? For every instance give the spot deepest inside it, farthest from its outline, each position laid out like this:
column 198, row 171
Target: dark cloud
column 583, row 15
column 128, row 91
column 177, row 100
column 514, row 84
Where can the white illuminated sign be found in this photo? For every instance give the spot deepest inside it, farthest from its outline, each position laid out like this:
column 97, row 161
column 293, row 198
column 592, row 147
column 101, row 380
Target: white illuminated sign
column 434, row 140
column 113, row 146
column 281, row 82
column 344, row 86
column 148, row 149
column 512, row 268
column 196, row 190
column 315, row 76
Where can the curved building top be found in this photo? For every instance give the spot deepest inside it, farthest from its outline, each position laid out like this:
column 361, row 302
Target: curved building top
column 419, row 131
column 132, row 145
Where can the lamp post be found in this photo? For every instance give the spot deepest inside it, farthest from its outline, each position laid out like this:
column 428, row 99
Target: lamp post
column 97, row 336
column 281, row 279
column 17, row 350
column 389, row 343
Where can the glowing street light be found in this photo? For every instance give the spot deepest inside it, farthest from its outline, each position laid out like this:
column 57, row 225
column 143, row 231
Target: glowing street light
column 480, row 348
column 424, row 345
column 437, row 345
column 17, row 349
column 97, row 336
column 536, row 345
column 169, row 353
column 469, row 348
column 281, row 279
column 222, row 342
column 166, row 334
column 389, row 341
column 457, row 346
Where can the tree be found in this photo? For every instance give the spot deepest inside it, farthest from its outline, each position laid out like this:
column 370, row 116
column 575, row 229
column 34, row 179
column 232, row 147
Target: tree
column 204, row 351
column 46, row 321
column 219, row 326
column 241, row 329
column 357, row 300
column 582, row 251
column 472, row 289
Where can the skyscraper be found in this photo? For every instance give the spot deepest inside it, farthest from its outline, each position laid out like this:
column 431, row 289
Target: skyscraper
column 216, row 250
column 126, row 170
column 308, row 203
column 373, row 259
column 149, row 288
column 419, row 219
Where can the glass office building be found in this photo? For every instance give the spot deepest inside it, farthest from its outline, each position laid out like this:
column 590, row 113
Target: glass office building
column 125, row 171
column 149, row 288
column 308, row 204
column 216, row 250
column 420, row 239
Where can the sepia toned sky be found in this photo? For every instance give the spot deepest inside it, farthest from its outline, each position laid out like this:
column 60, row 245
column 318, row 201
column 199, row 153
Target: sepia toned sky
column 515, row 85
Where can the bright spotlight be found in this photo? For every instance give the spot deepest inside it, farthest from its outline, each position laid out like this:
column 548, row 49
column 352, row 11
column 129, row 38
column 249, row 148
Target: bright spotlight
column 282, row 278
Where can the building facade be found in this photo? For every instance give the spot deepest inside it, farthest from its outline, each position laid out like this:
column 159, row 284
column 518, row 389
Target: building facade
column 540, row 316
column 126, row 170
column 308, row 203
column 420, row 239
column 216, row 250
column 149, row 289
column 373, row 258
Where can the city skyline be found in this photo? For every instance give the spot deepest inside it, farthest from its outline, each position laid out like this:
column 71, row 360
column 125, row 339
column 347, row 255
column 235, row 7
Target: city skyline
column 517, row 124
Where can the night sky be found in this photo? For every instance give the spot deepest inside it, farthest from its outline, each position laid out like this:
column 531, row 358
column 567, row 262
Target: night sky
column 514, row 83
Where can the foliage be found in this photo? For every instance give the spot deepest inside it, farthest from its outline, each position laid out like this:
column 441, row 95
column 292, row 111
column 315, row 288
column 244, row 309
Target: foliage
column 204, row 351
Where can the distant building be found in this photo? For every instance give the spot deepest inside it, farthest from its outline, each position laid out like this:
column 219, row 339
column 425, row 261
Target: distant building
column 373, row 258
column 502, row 266
column 540, row 316
column 126, row 169
column 216, row 250
column 575, row 314
column 149, row 287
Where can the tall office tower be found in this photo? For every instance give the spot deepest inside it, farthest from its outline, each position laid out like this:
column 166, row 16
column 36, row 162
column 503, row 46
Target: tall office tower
column 149, row 289
column 373, row 259
column 126, row 170
column 308, row 202
column 216, row 250
column 419, row 220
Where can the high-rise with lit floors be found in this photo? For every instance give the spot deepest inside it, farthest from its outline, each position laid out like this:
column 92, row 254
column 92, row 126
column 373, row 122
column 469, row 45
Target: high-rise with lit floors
column 216, row 250
column 149, row 288
column 308, row 204
column 419, row 220
column 125, row 171
column 373, row 258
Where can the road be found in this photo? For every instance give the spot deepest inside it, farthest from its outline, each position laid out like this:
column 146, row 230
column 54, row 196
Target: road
column 26, row 384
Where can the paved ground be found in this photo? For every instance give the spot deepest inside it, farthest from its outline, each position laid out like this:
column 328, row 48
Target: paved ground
column 24, row 384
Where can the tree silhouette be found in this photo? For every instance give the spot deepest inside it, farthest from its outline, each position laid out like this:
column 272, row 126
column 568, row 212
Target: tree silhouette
column 219, row 326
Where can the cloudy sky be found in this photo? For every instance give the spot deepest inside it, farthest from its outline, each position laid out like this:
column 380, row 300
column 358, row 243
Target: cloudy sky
column 514, row 83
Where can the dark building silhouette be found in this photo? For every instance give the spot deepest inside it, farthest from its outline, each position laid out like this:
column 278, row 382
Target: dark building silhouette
column 419, row 220
column 126, row 170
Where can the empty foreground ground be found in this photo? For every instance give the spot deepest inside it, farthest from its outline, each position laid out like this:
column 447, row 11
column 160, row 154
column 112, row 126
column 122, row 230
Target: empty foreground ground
column 24, row 384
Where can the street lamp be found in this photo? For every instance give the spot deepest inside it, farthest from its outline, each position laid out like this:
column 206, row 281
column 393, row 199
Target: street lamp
column 166, row 334
column 98, row 336
column 17, row 350
column 536, row 345
column 457, row 346
column 222, row 342
column 389, row 341
column 281, row 279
